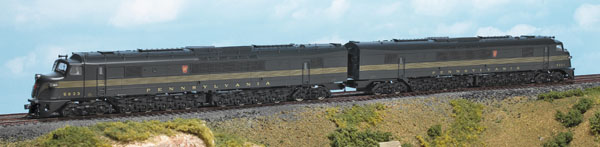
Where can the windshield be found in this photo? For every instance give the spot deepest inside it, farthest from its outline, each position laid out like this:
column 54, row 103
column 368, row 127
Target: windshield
column 559, row 47
column 60, row 67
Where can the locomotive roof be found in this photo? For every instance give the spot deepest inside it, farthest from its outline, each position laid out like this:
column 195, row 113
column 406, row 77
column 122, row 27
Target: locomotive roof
column 463, row 42
column 193, row 52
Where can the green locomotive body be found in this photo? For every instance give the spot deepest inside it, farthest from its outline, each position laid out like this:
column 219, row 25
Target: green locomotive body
column 93, row 83
column 448, row 63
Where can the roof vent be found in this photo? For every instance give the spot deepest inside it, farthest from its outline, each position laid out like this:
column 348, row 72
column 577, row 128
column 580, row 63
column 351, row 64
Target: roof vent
column 438, row 38
column 160, row 50
column 106, row 52
column 494, row 37
column 408, row 40
column 336, row 44
column 273, row 46
column 199, row 47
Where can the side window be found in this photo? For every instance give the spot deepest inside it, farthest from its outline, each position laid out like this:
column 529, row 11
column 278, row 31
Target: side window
column 100, row 71
column 559, row 48
column 75, row 70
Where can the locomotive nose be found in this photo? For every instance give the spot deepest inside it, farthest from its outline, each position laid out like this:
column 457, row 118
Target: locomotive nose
column 43, row 83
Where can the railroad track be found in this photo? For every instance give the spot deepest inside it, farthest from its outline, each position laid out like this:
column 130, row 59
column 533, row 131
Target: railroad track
column 587, row 78
column 14, row 119
column 7, row 120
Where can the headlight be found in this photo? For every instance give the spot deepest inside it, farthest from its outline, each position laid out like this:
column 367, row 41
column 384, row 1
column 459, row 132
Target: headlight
column 53, row 84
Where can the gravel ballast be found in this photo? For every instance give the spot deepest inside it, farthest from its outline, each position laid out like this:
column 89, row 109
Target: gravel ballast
column 29, row 131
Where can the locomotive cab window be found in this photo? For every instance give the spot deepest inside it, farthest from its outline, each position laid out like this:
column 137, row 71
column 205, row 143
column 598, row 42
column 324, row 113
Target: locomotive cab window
column 559, row 47
column 75, row 70
column 60, row 67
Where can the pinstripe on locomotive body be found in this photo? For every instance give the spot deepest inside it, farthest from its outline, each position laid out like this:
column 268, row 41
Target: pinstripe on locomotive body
column 152, row 80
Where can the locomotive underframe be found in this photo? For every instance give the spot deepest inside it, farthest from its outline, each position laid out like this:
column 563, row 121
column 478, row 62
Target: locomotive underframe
column 178, row 101
column 389, row 86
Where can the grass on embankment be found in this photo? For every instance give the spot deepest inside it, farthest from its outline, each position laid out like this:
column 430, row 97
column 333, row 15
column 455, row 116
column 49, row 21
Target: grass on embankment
column 107, row 133
column 355, row 126
column 314, row 126
column 463, row 131
column 516, row 121
column 532, row 123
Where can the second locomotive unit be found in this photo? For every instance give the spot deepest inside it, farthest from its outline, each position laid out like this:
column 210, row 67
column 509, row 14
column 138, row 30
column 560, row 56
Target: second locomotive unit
column 94, row 83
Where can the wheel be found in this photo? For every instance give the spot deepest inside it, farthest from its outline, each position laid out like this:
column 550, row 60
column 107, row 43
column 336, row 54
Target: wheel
column 256, row 100
column 388, row 88
column 300, row 94
column 149, row 105
column 181, row 105
column 238, row 102
column 125, row 108
column 377, row 89
column 399, row 87
column 69, row 110
column 557, row 76
column 170, row 106
column 541, row 78
column 101, row 107
column 161, row 106
column 219, row 103
column 322, row 93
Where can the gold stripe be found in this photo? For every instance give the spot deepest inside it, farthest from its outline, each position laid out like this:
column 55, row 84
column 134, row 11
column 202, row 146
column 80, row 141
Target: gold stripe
column 281, row 73
column 460, row 63
column 72, row 84
column 558, row 58
column 194, row 78
column 69, row 84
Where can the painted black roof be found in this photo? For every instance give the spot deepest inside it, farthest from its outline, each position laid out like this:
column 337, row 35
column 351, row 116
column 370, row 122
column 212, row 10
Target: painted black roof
column 450, row 43
column 198, row 52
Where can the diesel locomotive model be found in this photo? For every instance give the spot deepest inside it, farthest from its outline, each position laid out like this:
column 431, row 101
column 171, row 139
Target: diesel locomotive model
column 143, row 80
column 448, row 63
